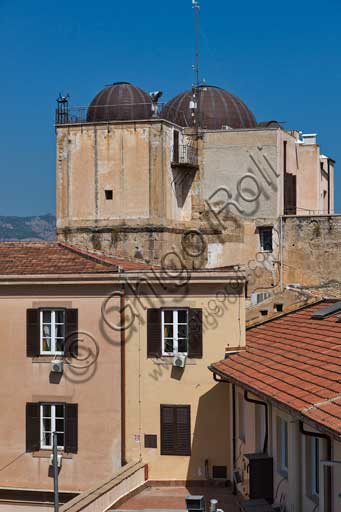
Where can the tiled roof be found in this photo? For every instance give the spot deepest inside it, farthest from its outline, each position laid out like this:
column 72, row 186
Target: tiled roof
column 32, row 258
column 295, row 361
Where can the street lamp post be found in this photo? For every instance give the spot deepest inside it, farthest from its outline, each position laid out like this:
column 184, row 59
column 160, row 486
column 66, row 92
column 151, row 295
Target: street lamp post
column 55, row 473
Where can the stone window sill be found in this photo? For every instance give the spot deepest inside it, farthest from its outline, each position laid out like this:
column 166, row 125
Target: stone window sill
column 49, row 359
column 168, row 361
column 46, row 454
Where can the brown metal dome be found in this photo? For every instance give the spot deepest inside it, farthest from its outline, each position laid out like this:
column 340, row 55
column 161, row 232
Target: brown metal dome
column 217, row 108
column 120, row 101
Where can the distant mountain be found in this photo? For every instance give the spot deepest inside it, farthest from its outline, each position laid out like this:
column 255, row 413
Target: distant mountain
column 28, row 228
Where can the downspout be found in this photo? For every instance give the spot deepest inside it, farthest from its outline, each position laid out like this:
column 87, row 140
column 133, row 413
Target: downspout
column 123, row 379
column 329, row 458
column 259, row 402
column 234, row 429
column 281, row 240
column 328, row 186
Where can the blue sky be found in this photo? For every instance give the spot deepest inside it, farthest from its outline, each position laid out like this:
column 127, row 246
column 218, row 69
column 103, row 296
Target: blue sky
column 282, row 59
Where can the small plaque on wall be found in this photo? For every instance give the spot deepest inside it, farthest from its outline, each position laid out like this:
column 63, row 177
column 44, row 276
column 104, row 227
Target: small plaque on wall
column 150, row 441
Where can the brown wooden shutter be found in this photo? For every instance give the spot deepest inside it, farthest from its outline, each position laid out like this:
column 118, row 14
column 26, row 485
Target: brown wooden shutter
column 71, row 428
column 32, row 332
column 195, row 333
column 71, row 333
column 175, row 429
column 154, row 337
column 32, row 427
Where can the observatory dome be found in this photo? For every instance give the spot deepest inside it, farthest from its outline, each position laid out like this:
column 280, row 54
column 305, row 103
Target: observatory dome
column 120, row 101
column 217, row 108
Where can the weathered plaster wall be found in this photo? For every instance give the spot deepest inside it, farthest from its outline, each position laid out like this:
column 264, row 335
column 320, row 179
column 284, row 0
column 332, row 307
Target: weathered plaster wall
column 247, row 165
column 133, row 160
column 311, row 251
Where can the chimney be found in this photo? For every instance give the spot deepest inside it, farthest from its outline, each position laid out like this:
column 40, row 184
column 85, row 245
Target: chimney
column 309, row 138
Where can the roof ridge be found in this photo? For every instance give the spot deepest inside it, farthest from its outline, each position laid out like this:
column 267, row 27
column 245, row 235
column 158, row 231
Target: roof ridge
column 88, row 255
column 279, row 317
column 31, row 242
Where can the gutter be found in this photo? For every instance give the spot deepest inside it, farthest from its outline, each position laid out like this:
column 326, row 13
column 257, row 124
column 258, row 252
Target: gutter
column 293, row 412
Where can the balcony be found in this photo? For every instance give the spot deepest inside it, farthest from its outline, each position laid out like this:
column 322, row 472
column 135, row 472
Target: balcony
column 185, row 156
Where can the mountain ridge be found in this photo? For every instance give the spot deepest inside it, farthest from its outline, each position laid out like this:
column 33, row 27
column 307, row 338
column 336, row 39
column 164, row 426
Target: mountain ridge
column 31, row 228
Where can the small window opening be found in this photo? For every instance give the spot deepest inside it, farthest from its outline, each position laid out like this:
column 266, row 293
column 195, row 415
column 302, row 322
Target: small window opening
column 279, row 308
column 264, row 312
column 265, row 236
column 108, row 195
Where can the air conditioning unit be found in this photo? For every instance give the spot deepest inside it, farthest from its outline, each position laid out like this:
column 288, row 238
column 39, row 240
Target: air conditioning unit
column 180, row 361
column 59, row 460
column 57, row 366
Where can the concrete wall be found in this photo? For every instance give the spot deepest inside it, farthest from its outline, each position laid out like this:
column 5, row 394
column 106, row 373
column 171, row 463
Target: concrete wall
column 96, row 390
column 151, row 382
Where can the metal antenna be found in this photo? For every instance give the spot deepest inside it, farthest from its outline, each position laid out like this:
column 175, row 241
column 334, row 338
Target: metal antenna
column 196, row 8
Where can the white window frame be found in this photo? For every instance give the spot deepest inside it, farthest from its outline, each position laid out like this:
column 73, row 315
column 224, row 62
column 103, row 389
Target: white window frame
column 175, row 331
column 53, row 312
column 44, row 446
column 284, row 445
column 315, row 448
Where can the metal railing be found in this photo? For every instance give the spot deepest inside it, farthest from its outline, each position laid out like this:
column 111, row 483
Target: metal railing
column 106, row 113
column 187, row 155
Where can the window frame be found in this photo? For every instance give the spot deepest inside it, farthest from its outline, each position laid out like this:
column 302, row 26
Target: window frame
column 315, row 449
column 53, row 338
column 241, row 418
column 53, row 419
column 283, row 449
column 175, row 325
column 262, row 230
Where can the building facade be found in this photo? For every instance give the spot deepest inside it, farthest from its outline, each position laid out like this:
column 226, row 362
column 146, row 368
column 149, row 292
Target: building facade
column 199, row 175
column 111, row 356
column 284, row 397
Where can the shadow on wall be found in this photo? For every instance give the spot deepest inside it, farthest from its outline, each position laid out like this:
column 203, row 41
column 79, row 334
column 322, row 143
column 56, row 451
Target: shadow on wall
column 182, row 184
column 211, row 434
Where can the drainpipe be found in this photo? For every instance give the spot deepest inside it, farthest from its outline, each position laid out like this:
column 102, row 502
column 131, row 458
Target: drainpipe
column 281, row 253
column 234, row 436
column 259, row 402
column 123, row 380
column 234, row 429
column 319, row 435
column 328, row 186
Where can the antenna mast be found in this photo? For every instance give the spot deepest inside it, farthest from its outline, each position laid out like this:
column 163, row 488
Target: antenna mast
column 196, row 8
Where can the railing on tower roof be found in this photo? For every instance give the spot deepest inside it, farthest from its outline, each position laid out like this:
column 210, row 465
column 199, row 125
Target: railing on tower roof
column 108, row 113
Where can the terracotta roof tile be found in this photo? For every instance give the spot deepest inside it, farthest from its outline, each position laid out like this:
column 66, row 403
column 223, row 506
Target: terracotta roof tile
column 33, row 258
column 296, row 361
